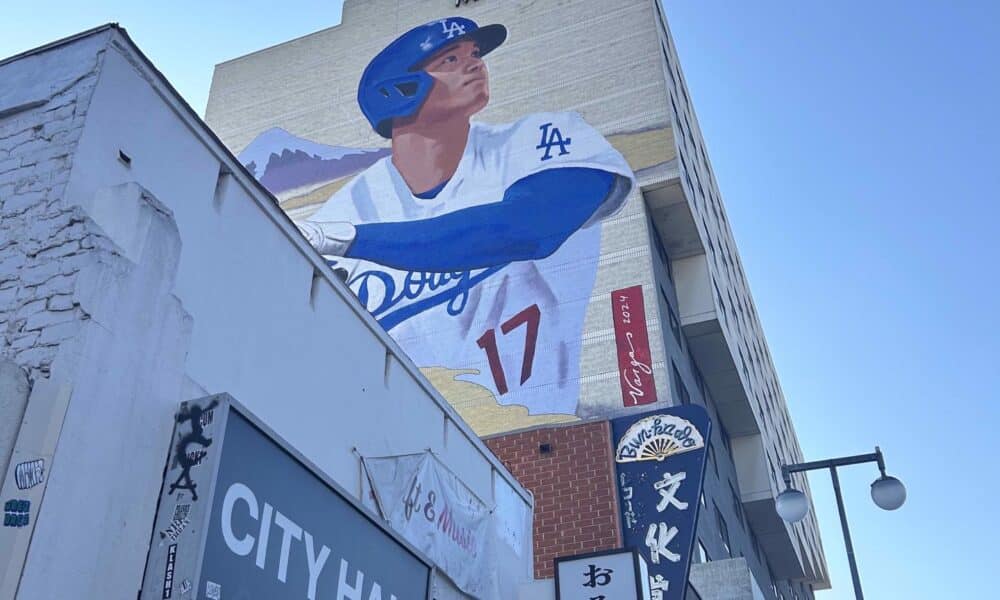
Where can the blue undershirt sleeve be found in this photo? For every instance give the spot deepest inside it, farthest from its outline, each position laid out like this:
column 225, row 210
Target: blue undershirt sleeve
column 537, row 214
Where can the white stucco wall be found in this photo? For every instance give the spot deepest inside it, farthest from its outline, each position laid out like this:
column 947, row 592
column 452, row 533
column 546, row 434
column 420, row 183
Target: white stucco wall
column 44, row 99
column 13, row 398
column 198, row 285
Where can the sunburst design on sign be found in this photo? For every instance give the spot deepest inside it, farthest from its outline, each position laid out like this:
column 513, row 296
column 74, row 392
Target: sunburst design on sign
column 658, row 437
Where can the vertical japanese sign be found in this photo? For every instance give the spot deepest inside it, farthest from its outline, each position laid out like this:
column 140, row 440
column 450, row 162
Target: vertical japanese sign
column 635, row 363
column 660, row 464
column 613, row 575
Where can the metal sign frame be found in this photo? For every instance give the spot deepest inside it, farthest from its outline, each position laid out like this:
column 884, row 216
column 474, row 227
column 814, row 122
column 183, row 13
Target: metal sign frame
column 179, row 538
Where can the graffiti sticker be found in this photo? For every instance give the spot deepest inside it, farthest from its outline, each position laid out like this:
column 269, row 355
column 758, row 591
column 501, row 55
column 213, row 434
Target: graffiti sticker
column 29, row 473
column 168, row 577
column 177, row 523
column 183, row 456
column 213, row 591
column 16, row 513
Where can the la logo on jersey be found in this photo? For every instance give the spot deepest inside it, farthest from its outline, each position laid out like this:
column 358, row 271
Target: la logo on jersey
column 551, row 136
column 452, row 28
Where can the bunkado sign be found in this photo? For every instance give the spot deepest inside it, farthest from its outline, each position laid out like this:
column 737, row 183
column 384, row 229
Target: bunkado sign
column 660, row 464
column 243, row 515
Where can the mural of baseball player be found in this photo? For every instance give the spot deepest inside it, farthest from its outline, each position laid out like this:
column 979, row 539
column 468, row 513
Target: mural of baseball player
column 475, row 245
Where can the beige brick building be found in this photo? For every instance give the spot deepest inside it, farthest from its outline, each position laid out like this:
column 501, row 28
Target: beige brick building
column 614, row 64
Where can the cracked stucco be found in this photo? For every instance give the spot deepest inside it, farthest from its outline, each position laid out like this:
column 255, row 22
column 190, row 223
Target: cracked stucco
column 43, row 241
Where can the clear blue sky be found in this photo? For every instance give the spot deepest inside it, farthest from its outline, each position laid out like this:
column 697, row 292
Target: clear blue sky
column 856, row 145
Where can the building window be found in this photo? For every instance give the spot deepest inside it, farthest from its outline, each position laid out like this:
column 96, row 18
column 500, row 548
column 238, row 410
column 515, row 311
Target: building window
column 738, row 505
column 670, row 69
column 659, row 11
column 756, row 546
column 677, row 118
column 683, row 397
column 675, row 326
column 723, row 530
column 703, row 551
column 718, row 298
column 699, row 380
column 662, row 250
column 712, row 459
column 725, row 438
column 687, row 174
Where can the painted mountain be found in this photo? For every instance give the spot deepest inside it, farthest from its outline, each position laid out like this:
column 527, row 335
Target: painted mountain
column 293, row 167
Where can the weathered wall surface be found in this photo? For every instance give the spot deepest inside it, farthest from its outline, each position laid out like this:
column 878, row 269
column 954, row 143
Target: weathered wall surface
column 43, row 107
column 125, row 369
column 14, row 389
column 93, row 315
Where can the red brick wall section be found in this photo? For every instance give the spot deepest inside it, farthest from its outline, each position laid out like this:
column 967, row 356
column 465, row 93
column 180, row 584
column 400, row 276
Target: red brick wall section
column 573, row 484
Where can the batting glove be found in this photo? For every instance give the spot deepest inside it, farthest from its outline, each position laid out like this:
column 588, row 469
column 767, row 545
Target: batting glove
column 332, row 238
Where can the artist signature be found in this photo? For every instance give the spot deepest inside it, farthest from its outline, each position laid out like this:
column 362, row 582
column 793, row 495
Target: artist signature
column 633, row 374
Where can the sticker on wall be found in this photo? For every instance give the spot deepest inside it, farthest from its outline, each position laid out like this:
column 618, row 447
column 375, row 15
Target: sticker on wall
column 475, row 245
column 213, row 591
column 185, row 456
column 30, row 473
column 168, row 577
column 17, row 513
column 178, row 522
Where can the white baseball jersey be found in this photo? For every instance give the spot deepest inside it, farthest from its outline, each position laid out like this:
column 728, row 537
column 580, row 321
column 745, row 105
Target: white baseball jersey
column 518, row 325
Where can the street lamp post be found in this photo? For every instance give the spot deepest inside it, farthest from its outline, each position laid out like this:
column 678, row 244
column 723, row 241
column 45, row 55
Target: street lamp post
column 887, row 492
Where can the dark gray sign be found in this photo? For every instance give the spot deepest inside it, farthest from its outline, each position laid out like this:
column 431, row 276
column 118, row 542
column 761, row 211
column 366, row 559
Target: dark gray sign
column 249, row 518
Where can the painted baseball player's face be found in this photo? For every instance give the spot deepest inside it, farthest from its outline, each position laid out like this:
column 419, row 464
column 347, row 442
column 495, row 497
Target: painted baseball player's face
column 461, row 83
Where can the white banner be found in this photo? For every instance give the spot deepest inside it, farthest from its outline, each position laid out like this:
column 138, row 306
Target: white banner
column 437, row 513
